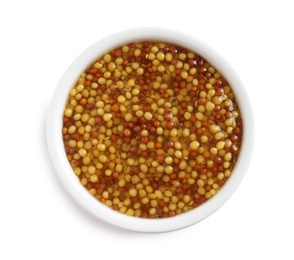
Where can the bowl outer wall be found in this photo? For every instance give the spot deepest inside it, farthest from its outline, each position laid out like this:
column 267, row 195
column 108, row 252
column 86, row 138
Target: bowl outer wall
column 71, row 182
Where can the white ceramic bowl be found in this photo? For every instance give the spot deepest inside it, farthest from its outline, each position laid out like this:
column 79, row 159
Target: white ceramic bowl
column 71, row 182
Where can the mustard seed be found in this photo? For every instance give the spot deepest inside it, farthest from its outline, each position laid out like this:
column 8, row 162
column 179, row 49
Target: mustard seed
column 152, row 129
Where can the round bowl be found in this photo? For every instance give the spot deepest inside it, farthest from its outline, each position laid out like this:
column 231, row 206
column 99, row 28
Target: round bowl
column 70, row 180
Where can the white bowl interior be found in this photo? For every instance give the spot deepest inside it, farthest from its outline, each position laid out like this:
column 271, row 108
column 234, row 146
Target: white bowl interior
column 71, row 182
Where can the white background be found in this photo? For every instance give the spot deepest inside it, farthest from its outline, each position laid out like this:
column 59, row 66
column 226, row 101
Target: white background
column 40, row 39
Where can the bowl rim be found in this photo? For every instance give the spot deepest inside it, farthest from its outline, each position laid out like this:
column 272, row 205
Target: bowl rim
column 71, row 182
